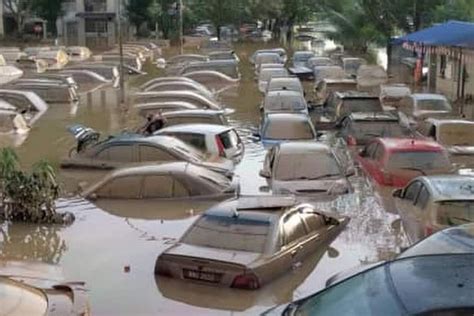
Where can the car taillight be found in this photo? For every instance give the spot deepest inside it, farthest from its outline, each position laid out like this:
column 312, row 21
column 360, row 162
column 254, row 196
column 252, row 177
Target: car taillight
column 246, row 281
column 351, row 141
column 220, row 146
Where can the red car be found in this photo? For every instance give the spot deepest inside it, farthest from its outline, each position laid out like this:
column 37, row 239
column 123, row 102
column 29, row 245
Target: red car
column 396, row 161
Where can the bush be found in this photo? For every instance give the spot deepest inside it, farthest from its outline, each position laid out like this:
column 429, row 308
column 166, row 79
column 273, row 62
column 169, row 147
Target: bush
column 29, row 196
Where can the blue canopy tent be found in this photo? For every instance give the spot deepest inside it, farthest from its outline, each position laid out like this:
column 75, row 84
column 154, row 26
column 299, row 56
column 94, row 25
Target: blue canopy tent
column 456, row 36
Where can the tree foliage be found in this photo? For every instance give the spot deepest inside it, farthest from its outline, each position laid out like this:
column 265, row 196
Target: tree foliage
column 48, row 10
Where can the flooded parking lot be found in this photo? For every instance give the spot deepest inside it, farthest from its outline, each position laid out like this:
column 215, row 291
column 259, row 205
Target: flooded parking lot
column 113, row 246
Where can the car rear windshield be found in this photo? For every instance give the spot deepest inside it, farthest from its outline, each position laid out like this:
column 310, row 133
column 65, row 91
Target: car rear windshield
column 230, row 139
column 433, row 105
column 308, row 166
column 455, row 212
column 266, row 73
column 288, row 130
column 456, row 134
column 420, row 160
column 379, row 129
column 361, row 105
column 285, row 103
column 230, row 233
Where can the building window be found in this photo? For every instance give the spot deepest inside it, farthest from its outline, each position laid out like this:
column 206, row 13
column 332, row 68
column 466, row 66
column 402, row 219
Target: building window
column 96, row 26
column 95, row 5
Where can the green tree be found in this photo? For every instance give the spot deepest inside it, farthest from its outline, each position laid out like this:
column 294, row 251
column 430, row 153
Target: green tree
column 19, row 10
column 48, row 10
column 137, row 12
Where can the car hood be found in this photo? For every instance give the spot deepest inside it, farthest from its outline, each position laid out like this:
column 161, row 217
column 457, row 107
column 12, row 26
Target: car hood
column 233, row 256
column 310, row 187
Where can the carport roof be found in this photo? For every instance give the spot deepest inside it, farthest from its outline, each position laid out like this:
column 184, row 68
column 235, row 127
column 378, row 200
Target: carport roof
column 451, row 34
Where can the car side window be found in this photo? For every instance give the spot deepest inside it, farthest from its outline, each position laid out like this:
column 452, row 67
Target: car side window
column 379, row 153
column 179, row 189
column 120, row 153
column 196, row 140
column 423, row 198
column 150, row 153
column 157, row 186
column 371, row 149
column 293, row 228
column 122, row 187
column 412, row 191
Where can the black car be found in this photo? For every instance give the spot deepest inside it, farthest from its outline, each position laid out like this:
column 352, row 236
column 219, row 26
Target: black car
column 440, row 284
column 358, row 128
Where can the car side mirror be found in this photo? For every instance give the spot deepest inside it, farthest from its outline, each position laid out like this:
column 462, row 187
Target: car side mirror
column 264, row 173
column 363, row 153
column 398, row 193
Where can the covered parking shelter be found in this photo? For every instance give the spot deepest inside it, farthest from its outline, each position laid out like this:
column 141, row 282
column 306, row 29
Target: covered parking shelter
column 449, row 50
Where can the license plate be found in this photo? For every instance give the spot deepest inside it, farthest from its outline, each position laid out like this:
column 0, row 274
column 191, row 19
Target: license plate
column 201, row 275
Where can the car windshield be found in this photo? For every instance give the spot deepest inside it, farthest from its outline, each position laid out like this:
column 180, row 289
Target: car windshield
column 280, row 102
column 307, row 166
column 302, row 57
column 379, row 129
column 18, row 300
column 266, row 73
column 239, row 233
column 433, row 105
column 288, row 130
column 361, row 105
column 368, row 294
column 419, row 160
column 456, row 134
column 455, row 212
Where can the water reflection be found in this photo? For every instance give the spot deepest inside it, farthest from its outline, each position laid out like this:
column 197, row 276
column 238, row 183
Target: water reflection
column 19, row 241
column 277, row 292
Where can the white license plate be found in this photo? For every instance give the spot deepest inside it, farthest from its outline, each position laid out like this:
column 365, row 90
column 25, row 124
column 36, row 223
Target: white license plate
column 201, row 275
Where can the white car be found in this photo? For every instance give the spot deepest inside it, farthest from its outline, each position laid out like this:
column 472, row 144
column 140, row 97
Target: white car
column 218, row 140
column 284, row 101
column 285, row 83
column 307, row 169
column 267, row 74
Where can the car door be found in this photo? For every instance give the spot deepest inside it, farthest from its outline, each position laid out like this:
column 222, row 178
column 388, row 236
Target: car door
column 126, row 187
column 421, row 214
column 294, row 234
column 113, row 155
column 405, row 207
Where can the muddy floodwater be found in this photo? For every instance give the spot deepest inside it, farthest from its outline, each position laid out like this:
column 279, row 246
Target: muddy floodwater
column 113, row 246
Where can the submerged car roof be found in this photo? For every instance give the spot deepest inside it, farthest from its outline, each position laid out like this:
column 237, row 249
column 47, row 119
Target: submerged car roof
column 355, row 95
column 196, row 128
column 410, row 144
column 303, row 147
column 450, row 187
column 287, row 117
column 196, row 112
column 374, row 117
column 428, row 96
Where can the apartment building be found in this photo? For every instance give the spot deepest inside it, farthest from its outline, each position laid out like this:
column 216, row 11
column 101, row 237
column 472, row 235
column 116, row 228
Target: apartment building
column 91, row 23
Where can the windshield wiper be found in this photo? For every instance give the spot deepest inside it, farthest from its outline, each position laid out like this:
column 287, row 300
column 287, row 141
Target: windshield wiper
column 318, row 177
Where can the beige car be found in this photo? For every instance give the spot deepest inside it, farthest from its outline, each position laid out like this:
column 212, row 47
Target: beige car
column 323, row 89
column 37, row 289
column 170, row 181
column 247, row 242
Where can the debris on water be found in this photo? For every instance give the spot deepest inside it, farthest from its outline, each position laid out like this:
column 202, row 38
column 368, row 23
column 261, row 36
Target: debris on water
column 126, row 269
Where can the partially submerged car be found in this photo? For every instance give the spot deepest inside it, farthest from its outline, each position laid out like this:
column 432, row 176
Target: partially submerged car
column 357, row 129
column 268, row 58
column 110, row 72
column 130, row 149
column 49, row 91
column 9, row 73
column 78, row 53
column 328, row 72
column 352, row 64
column 325, row 87
column 212, row 139
column 84, row 77
column 212, row 79
column 370, row 77
column 223, row 55
column 260, row 67
column 33, row 288
column 247, row 242
column 227, row 67
column 340, row 104
column 280, row 51
column 419, row 106
column 429, row 204
column 181, row 86
column 160, row 80
column 286, row 101
column 455, row 135
column 146, row 109
column 25, row 101
column 267, row 74
column 300, row 58
column 56, row 58
column 392, row 94
column 396, row 161
column 169, row 181
column 319, row 61
column 197, row 116
column 418, row 285
column 281, row 127
column 177, row 96
column 285, row 83
column 306, row 169
column 306, row 71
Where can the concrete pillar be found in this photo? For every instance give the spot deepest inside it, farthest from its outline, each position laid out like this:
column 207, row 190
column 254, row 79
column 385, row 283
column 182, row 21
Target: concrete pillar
column 81, row 32
column 111, row 36
column 2, row 31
